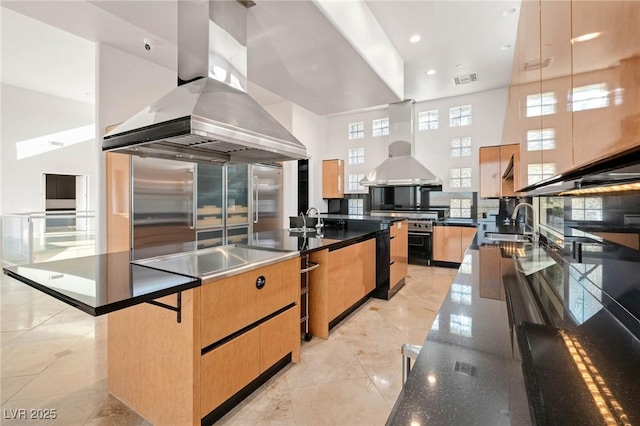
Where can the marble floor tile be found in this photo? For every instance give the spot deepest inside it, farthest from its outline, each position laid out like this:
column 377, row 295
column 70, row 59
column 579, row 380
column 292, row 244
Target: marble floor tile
column 70, row 329
column 9, row 336
column 385, row 372
column 10, row 385
column 269, row 405
column 71, row 372
column 113, row 412
column 31, row 358
column 349, row 402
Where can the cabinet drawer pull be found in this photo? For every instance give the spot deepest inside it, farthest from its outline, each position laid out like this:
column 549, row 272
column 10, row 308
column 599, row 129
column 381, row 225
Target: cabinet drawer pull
column 392, row 263
column 392, row 238
column 260, row 282
column 310, row 268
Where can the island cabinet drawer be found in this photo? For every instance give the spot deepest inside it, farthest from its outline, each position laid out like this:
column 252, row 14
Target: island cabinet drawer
column 236, row 302
column 228, row 368
column 278, row 337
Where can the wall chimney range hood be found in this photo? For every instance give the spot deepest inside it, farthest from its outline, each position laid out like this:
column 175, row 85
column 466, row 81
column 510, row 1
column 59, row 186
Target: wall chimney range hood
column 401, row 168
column 205, row 119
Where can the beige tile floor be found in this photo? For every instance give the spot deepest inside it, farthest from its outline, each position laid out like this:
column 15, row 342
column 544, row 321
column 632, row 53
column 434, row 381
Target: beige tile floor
column 53, row 356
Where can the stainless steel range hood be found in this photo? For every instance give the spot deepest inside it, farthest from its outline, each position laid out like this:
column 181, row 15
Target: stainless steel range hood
column 206, row 120
column 401, row 168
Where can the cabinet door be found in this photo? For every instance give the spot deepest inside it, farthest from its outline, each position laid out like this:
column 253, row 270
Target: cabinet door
column 228, row 368
column 606, row 78
column 446, row 244
column 279, row 336
column 333, row 179
column 209, row 195
column 235, row 302
column 238, row 189
column 526, row 98
column 351, row 272
column 399, row 252
column 509, row 153
column 555, row 139
column 466, row 237
column 490, row 176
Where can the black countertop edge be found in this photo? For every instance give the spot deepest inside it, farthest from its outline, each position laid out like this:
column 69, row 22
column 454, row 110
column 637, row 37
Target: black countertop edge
column 355, row 240
column 365, row 218
column 470, row 223
column 112, row 307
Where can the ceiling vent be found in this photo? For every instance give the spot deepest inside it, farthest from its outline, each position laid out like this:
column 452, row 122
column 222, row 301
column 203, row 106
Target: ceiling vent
column 537, row 64
column 465, row 79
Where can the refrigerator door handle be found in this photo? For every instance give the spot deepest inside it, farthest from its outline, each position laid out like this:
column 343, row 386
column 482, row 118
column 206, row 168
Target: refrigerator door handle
column 255, row 203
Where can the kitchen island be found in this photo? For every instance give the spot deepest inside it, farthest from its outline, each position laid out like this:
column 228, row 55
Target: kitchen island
column 527, row 334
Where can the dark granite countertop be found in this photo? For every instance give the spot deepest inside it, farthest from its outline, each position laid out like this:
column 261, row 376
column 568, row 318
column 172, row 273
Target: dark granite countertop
column 383, row 219
column 528, row 334
column 471, row 223
column 102, row 283
column 305, row 243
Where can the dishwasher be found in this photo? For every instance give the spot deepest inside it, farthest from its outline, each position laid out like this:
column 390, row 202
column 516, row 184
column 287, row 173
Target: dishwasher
column 306, row 266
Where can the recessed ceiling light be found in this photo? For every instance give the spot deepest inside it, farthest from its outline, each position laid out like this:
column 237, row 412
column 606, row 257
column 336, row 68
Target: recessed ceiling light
column 585, row 37
column 431, row 72
column 508, row 11
column 414, row 38
column 506, row 46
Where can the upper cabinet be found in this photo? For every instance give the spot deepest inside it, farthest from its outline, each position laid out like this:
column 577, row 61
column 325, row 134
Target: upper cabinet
column 499, row 169
column 332, row 179
column 606, row 77
column 575, row 89
column 555, row 138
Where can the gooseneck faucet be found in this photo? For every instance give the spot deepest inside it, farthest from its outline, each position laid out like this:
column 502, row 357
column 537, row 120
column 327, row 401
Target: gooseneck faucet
column 319, row 224
column 514, row 216
column 304, row 221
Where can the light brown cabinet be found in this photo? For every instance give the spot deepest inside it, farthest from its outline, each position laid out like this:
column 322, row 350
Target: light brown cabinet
column 631, row 240
column 575, row 90
column 451, row 242
column 333, row 178
column 495, row 162
column 344, row 277
column 399, row 261
column 177, row 373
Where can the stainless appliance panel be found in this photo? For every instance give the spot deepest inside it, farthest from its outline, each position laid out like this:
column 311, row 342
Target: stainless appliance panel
column 162, row 204
column 266, row 198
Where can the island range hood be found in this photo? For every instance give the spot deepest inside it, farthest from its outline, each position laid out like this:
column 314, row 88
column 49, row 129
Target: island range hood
column 204, row 119
column 401, row 168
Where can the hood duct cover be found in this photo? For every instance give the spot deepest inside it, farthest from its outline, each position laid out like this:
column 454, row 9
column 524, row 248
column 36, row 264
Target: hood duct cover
column 206, row 120
column 401, row 168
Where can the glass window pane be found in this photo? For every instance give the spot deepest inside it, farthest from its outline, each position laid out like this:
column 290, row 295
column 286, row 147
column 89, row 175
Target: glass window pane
column 466, row 121
column 466, row 141
column 455, row 173
column 466, row 203
column 465, row 110
column 455, row 142
column 455, row 152
column 466, row 172
column 433, row 125
column 466, row 183
column 577, row 214
column 577, row 203
column 454, row 112
column 466, row 152
column 465, row 213
column 593, row 214
column 455, row 203
column 455, row 183
column 593, row 203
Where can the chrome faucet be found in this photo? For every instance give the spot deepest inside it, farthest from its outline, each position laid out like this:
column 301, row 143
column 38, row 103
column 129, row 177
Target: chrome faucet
column 514, row 216
column 304, row 221
column 320, row 223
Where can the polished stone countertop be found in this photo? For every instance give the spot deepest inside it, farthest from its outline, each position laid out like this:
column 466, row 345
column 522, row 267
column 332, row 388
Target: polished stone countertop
column 538, row 343
column 470, row 223
column 102, row 283
column 308, row 242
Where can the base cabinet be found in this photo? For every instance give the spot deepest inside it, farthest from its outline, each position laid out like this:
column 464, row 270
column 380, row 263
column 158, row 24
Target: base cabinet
column 177, row 373
column 343, row 278
column 399, row 261
column 450, row 242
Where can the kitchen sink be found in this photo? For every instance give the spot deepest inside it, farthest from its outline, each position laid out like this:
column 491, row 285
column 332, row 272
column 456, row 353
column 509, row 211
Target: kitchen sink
column 496, row 236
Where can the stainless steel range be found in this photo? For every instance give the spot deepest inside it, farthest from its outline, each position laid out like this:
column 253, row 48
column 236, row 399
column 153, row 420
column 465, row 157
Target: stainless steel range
column 420, row 232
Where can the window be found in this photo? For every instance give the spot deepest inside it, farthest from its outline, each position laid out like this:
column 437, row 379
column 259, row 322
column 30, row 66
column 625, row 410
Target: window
column 356, row 206
column 428, row 120
column 466, row 267
column 356, row 130
column 585, row 291
column 541, row 104
column 381, row 127
column 460, row 178
column 539, row 140
column 460, row 293
column 592, row 96
column 460, row 207
column 588, row 208
column 356, row 156
column 537, row 172
column 461, row 147
column 354, row 182
column 460, row 325
column 460, row 116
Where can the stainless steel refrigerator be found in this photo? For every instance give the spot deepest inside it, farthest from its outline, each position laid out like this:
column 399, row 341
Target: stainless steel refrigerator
column 162, row 206
column 266, row 209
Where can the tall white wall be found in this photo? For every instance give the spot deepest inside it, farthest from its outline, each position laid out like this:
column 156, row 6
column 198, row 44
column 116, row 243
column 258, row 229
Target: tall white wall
column 27, row 114
column 311, row 130
column 432, row 147
column 125, row 84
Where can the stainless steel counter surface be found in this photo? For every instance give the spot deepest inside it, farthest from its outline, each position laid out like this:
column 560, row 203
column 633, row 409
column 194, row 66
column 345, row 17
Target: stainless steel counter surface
column 217, row 262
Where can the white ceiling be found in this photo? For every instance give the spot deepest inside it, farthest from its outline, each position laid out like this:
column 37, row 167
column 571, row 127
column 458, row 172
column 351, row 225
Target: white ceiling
column 294, row 52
